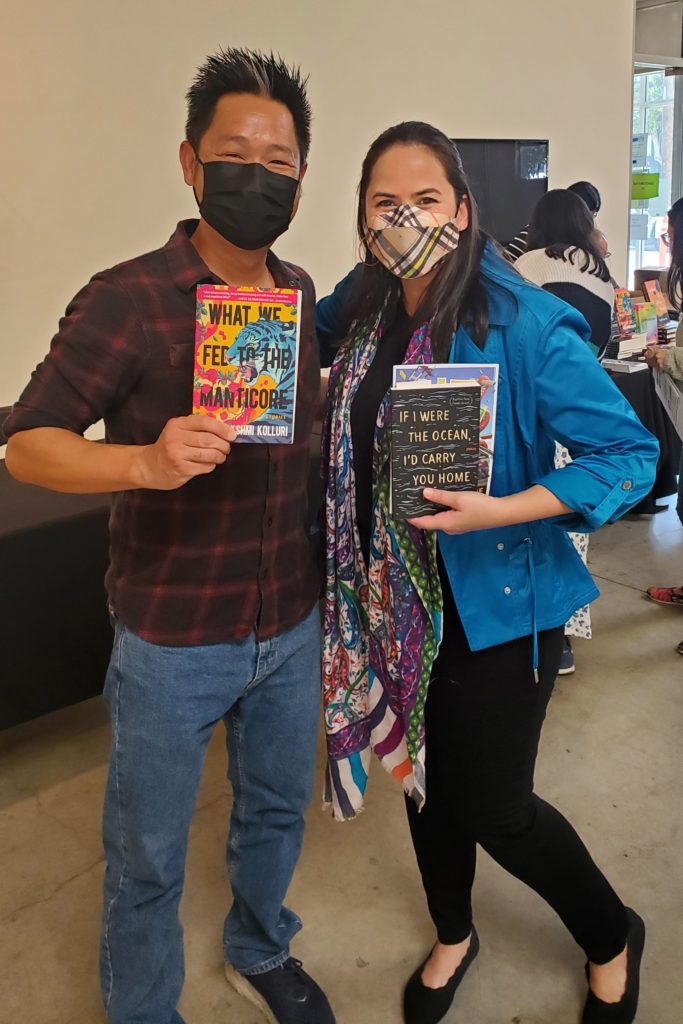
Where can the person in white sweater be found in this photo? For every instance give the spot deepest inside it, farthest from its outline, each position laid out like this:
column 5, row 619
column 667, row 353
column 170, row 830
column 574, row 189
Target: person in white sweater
column 566, row 256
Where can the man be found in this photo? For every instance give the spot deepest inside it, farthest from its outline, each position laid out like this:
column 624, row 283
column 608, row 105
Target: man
column 212, row 583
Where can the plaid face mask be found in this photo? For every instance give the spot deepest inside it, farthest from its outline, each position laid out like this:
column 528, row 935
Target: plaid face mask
column 409, row 241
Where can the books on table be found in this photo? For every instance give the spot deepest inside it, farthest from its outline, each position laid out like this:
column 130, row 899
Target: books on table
column 443, row 418
column 667, row 331
column 623, row 365
column 246, row 359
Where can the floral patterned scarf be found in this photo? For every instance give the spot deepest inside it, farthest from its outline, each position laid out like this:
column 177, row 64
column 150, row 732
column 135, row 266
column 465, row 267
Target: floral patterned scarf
column 383, row 621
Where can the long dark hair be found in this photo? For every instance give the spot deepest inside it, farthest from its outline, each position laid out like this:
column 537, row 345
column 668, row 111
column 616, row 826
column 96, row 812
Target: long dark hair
column 456, row 291
column 674, row 282
column 563, row 225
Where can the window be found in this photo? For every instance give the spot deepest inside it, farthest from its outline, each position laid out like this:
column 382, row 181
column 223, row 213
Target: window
column 657, row 110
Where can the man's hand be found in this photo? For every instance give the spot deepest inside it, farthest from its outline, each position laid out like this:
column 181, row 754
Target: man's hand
column 655, row 357
column 188, row 446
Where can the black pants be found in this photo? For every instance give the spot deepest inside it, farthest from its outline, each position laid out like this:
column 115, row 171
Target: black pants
column 483, row 722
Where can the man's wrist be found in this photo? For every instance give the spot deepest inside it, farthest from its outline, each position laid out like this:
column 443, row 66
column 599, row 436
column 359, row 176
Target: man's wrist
column 137, row 469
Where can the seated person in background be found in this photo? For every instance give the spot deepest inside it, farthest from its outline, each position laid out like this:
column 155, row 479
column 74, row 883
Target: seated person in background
column 565, row 257
column 584, row 190
column 670, row 360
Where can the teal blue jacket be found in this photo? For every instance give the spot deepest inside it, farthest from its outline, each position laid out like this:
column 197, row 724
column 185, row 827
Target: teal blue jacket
column 518, row 580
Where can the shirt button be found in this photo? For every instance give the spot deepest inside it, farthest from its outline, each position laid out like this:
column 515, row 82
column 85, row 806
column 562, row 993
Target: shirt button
column 507, row 591
column 501, row 547
column 627, row 485
column 264, row 574
column 269, row 521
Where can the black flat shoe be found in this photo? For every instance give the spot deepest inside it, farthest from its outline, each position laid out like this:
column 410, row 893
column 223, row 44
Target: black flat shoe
column 422, row 1005
column 623, row 1012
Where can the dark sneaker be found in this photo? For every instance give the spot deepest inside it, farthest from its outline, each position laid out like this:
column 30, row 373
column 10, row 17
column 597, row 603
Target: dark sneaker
column 567, row 665
column 285, row 995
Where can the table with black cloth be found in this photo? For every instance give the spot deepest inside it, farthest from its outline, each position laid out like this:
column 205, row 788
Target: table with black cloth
column 639, row 390
column 55, row 636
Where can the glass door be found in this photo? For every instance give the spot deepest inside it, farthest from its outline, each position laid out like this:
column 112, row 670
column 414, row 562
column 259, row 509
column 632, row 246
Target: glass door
column 656, row 166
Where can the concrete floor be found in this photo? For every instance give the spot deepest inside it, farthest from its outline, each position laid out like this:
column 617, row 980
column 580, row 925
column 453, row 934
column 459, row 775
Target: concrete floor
column 610, row 759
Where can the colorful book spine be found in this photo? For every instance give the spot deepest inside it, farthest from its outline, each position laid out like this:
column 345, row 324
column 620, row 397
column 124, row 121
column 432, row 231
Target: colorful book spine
column 246, row 360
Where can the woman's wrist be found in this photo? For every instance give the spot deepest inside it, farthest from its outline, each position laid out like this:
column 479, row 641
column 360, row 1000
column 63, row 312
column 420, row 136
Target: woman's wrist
column 528, row 506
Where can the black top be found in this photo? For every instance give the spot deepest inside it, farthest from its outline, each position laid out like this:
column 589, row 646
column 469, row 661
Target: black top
column 391, row 350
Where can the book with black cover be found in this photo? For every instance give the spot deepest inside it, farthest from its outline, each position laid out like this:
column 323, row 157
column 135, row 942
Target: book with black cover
column 434, row 443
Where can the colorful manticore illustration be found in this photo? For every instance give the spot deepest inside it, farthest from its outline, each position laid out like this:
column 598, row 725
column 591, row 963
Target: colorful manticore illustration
column 440, row 374
column 246, row 357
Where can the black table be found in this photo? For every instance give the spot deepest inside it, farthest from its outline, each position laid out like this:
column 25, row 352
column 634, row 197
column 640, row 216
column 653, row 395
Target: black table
column 639, row 390
column 55, row 636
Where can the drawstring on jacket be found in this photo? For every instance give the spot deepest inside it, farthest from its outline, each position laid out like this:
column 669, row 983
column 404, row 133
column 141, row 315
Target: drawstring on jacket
column 532, row 578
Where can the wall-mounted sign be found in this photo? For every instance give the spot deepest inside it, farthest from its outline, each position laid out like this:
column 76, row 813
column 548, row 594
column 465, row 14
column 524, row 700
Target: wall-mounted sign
column 644, row 185
column 639, row 150
column 639, row 226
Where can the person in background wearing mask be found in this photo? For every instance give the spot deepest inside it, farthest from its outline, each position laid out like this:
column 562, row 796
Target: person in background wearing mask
column 670, row 360
column 212, row 583
column 584, row 190
column 443, row 634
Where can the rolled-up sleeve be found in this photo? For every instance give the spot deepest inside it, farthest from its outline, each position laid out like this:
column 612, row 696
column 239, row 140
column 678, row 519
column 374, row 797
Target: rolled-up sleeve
column 614, row 456
column 94, row 361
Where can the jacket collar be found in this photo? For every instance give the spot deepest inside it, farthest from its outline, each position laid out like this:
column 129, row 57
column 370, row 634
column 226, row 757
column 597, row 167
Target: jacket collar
column 502, row 282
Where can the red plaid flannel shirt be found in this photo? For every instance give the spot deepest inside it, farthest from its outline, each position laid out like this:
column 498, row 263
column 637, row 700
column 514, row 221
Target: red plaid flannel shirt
column 229, row 553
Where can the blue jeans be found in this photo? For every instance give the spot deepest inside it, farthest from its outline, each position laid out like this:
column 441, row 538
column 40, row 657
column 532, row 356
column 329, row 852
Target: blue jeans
column 164, row 703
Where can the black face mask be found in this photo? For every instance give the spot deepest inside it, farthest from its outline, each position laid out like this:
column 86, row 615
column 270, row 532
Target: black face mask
column 247, row 204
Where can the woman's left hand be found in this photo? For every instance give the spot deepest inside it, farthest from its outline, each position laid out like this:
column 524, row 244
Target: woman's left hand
column 466, row 511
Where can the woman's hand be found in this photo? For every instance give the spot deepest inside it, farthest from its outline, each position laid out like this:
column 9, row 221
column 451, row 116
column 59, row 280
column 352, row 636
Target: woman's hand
column 655, row 357
column 466, row 511
column 469, row 510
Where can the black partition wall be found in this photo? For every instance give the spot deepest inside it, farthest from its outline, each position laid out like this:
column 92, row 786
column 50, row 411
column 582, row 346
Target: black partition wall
column 507, row 178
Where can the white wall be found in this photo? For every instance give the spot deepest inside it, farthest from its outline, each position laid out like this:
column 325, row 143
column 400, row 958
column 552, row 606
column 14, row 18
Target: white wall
column 92, row 111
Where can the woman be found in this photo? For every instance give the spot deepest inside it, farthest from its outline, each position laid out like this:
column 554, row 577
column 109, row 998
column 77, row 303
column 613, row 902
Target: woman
column 670, row 360
column 584, row 190
column 566, row 257
column 457, row 720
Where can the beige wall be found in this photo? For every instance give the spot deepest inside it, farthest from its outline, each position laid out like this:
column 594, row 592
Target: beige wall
column 92, row 112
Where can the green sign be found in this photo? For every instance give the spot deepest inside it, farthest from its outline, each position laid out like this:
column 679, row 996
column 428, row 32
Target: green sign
column 644, row 185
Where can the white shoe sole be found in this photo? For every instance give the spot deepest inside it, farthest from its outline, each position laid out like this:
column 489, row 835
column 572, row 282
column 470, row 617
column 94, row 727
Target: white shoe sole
column 567, row 671
column 243, row 987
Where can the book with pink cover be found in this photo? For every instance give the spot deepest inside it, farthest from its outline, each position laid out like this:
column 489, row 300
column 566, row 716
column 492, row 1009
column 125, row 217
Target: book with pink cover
column 246, row 359
column 653, row 293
